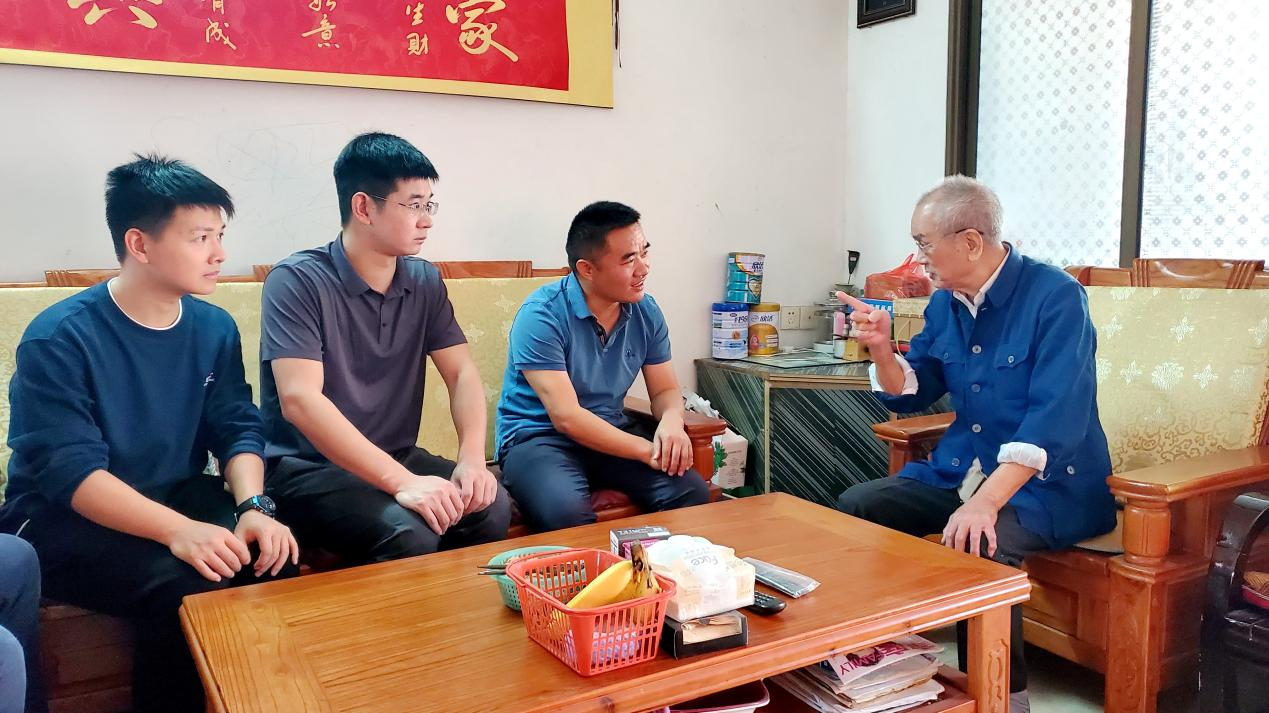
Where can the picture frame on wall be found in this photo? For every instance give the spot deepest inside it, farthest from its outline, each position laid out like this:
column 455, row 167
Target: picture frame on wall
column 872, row 12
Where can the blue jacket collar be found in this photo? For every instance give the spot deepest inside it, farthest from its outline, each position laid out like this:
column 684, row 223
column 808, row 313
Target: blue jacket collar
column 1007, row 282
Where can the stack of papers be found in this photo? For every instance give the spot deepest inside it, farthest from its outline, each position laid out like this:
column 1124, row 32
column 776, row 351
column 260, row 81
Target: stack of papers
column 886, row 678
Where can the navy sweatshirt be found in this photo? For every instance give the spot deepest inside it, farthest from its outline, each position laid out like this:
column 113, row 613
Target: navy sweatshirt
column 95, row 390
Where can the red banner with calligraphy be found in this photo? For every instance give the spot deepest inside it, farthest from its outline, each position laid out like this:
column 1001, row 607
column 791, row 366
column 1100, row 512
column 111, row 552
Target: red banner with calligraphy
column 551, row 50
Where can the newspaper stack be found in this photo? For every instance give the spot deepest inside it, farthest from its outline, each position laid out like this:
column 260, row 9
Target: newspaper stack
column 886, row 678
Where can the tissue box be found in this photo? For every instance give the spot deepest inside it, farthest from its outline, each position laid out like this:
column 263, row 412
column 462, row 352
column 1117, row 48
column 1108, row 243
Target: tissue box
column 731, row 452
column 710, row 578
column 621, row 539
column 727, row 630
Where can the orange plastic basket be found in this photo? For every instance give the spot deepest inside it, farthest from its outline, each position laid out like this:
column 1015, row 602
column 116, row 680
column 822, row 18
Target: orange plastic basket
column 589, row 641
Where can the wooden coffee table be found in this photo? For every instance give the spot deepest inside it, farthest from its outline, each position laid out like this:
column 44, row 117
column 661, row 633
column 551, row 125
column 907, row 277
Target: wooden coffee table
column 428, row 634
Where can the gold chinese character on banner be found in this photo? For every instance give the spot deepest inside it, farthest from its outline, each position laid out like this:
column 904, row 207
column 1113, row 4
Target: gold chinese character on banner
column 416, row 12
column 216, row 32
column 418, row 45
column 477, row 37
column 326, row 30
column 316, row 5
column 218, row 6
column 95, row 13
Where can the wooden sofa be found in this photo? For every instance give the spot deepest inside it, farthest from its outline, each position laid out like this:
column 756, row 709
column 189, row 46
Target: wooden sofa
column 87, row 656
column 1135, row 616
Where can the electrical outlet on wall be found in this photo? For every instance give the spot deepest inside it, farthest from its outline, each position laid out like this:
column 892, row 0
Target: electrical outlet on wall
column 808, row 317
column 790, row 317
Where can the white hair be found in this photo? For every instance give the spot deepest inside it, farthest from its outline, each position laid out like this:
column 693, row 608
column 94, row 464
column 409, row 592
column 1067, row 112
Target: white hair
column 960, row 202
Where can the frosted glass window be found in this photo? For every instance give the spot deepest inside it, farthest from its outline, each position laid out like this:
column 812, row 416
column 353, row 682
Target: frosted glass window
column 1053, row 77
column 1205, row 188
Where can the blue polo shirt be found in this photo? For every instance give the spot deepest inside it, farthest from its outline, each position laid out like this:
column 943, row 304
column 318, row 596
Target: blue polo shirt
column 555, row 331
column 1024, row 371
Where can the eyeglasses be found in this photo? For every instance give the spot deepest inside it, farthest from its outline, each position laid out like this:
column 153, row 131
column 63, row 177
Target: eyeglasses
column 928, row 247
column 416, row 207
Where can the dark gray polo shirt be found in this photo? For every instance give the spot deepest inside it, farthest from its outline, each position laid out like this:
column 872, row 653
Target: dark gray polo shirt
column 373, row 347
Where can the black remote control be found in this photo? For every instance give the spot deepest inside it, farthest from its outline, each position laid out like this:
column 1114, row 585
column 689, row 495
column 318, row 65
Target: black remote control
column 765, row 604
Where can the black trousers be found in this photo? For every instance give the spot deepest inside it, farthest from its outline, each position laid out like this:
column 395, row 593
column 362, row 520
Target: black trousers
column 329, row 508
column 94, row 567
column 918, row 509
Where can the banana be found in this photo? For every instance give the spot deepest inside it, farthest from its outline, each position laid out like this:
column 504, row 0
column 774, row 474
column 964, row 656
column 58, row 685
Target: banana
column 626, row 580
column 611, row 584
column 643, row 582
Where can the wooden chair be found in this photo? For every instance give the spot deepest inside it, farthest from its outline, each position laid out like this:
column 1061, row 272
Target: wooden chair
column 1133, row 617
column 91, row 276
column 467, row 268
column 551, row 271
column 1177, row 272
column 485, row 268
column 495, row 268
column 78, row 278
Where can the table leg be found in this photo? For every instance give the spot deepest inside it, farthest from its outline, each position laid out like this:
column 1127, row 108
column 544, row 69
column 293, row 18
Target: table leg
column 989, row 660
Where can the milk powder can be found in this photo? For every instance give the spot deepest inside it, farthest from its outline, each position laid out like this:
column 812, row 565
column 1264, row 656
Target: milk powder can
column 730, row 329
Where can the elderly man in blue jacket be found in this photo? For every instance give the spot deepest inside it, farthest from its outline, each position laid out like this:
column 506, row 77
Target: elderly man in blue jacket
column 1023, row 468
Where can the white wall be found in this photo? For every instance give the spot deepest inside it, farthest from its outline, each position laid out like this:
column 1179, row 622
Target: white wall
column 896, row 94
column 728, row 133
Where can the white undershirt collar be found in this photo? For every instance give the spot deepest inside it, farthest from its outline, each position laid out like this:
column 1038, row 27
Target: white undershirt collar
column 981, row 297
column 180, row 309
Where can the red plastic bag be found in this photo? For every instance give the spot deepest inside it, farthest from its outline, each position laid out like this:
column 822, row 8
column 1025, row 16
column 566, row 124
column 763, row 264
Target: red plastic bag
column 906, row 280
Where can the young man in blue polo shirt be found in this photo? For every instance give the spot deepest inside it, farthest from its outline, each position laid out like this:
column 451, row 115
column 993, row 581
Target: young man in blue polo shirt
column 120, row 393
column 576, row 347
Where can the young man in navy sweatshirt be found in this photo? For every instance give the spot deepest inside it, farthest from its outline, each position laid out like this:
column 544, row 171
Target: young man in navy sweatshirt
column 120, row 394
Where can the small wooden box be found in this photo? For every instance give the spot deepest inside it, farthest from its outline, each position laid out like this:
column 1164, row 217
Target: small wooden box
column 909, row 318
column 854, row 351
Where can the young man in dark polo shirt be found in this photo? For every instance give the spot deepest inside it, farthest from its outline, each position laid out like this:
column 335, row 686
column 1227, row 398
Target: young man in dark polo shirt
column 346, row 329
column 576, row 347
column 120, row 392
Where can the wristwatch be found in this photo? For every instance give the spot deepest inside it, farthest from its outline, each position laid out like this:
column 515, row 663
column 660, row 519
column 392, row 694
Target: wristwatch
column 260, row 503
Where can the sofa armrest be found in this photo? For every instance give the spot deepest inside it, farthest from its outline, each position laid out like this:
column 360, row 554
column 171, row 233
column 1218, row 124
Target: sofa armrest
column 1191, row 477
column 1149, row 493
column 912, row 438
column 700, row 429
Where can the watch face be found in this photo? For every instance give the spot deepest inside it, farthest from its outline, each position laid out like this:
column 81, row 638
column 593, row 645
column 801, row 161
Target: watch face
column 266, row 503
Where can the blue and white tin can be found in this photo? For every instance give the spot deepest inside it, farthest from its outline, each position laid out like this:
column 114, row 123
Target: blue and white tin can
column 729, row 328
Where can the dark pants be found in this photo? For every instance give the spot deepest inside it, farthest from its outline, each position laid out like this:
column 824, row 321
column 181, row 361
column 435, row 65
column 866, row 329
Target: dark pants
column 329, row 508
column 20, row 680
column 918, row 509
column 104, row 570
column 550, row 476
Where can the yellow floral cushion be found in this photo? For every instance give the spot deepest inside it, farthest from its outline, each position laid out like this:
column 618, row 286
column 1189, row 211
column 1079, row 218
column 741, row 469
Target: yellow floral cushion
column 18, row 306
column 242, row 301
column 1181, row 373
column 484, row 309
